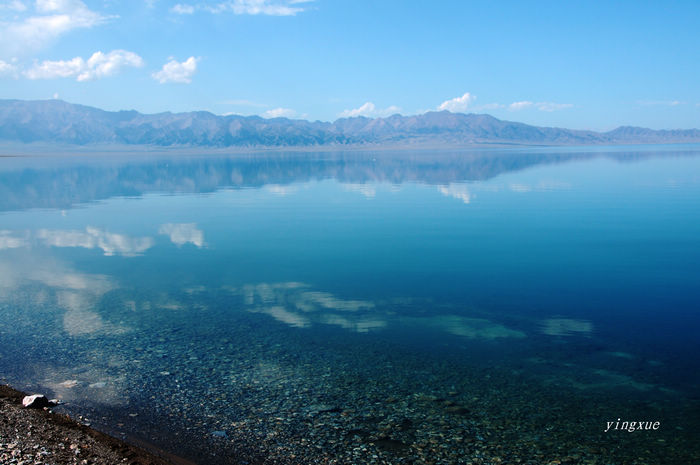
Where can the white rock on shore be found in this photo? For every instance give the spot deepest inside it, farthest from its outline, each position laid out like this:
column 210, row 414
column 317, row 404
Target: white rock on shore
column 36, row 401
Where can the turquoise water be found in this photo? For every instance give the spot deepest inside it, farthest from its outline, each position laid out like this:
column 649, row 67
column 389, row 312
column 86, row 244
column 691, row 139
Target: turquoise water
column 500, row 306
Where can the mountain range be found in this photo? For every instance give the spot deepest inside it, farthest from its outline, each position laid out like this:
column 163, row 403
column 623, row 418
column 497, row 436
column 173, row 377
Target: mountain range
column 56, row 121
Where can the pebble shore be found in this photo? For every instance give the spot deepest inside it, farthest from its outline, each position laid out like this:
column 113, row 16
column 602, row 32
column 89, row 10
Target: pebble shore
column 40, row 437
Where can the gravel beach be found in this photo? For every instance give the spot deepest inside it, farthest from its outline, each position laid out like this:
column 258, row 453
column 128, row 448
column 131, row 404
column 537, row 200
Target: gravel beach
column 39, row 436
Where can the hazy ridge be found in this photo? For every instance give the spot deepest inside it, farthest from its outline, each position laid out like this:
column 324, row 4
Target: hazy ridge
column 56, row 121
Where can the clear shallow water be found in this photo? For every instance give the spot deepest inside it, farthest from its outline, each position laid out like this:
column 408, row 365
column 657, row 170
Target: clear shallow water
column 364, row 307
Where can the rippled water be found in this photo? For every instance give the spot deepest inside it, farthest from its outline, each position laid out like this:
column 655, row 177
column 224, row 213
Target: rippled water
column 366, row 307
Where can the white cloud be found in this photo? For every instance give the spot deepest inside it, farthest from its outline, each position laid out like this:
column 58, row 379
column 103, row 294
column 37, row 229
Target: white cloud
column 365, row 110
column 99, row 65
column 245, row 7
column 181, row 9
column 464, row 103
column 369, row 110
column 550, row 106
column 390, row 110
column 260, row 7
column 92, row 238
column 490, row 106
column 56, row 69
column 55, row 6
column 183, row 233
column 280, row 113
column 174, row 71
column 50, row 20
column 542, row 106
column 7, row 69
column 244, row 103
column 520, row 105
column 457, row 104
column 14, row 5
column 664, row 103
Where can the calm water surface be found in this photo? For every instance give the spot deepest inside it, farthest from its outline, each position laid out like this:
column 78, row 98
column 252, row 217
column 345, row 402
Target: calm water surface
column 410, row 307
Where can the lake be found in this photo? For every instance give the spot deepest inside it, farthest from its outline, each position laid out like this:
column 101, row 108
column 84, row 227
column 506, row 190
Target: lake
column 484, row 306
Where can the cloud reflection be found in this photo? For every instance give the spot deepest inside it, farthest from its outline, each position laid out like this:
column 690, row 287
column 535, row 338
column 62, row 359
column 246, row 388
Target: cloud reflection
column 296, row 305
column 565, row 327
column 183, row 233
column 95, row 238
column 470, row 328
column 280, row 190
column 86, row 383
column 359, row 326
column 457, row 191
column 368, row 190
column 547, row 185
column 8, row 241
column 285, row 316
column 327, row 300
column 520, row 188
column 77, row 294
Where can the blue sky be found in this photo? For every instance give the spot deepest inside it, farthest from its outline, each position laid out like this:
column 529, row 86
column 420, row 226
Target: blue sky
column 588, row 65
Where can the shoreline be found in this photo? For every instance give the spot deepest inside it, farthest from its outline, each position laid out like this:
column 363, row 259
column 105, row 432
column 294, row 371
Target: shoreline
column 41, row 435
column 13, row 149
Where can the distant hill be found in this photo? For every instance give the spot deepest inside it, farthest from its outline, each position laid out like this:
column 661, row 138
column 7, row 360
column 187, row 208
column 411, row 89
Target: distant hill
column 56, row 121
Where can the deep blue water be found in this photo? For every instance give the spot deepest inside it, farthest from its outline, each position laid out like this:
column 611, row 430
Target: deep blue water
column 523, row 298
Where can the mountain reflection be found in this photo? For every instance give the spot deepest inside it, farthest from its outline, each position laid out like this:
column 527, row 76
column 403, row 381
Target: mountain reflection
column 61, row 182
